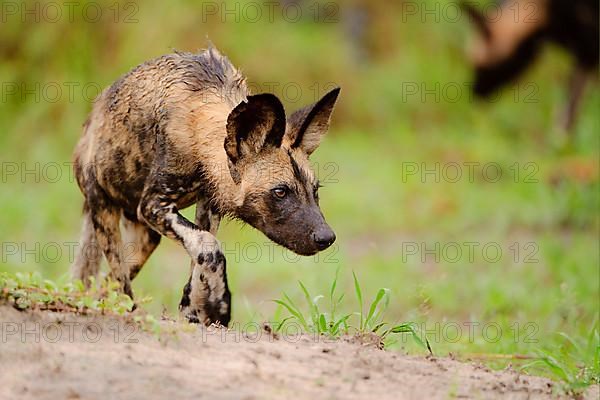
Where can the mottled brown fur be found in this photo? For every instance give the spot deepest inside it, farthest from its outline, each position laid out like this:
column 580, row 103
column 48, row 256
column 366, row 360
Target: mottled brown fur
column 180, row 130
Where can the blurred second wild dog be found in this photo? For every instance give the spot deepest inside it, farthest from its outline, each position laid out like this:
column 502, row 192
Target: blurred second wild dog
column 508, row 43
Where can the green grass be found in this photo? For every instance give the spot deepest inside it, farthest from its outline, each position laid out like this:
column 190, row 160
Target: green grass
column 31, row 292
column 319, row 322
column 376, row 209
column 575, row 362
column 328, row 321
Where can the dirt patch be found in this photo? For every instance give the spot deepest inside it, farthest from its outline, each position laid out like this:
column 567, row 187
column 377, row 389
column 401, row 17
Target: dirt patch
column 63, row 356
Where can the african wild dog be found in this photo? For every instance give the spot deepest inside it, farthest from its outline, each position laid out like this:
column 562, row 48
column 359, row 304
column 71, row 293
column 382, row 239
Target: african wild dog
column 510, row 39
column 183, row 129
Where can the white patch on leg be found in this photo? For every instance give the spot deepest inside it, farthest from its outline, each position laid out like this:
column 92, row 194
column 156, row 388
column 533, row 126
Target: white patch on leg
column 196, row 242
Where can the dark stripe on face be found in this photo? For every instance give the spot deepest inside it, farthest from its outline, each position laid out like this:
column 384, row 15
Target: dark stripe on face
column 304, row 181
column 298, row 173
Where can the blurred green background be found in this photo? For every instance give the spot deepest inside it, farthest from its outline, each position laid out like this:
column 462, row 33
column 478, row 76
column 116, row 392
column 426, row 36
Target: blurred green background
column 404, row 104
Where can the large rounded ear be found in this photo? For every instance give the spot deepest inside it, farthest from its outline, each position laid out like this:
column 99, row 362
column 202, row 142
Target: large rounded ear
column 309, row 124
column 254, row 125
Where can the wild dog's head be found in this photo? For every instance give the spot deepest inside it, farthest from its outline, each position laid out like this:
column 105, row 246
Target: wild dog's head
column 268, row 161
column 505, row 42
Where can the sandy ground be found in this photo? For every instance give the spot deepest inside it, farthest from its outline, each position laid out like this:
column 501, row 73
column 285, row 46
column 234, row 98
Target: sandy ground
column 62, row 356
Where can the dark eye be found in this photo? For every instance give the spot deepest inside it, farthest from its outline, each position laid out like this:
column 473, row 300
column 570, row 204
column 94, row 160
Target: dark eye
column 280, row 192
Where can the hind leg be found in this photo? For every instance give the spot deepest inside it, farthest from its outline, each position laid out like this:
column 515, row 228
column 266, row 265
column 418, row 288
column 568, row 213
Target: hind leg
column 108, row 235
column 89, row 255
column 139, row 241
column 105, row 218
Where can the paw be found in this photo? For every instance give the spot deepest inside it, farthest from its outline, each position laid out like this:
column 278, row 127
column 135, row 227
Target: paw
column 126, row 286
column 210, row 313
column 199, row 317
column 206, row 297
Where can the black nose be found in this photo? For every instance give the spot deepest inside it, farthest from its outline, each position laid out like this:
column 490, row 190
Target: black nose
column 324, row 238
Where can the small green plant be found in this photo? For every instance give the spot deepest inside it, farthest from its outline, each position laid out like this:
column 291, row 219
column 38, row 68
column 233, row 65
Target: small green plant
column 332, row 323
column 319, row 322
column 373, row 321
column 30, row 291
column 576, row 362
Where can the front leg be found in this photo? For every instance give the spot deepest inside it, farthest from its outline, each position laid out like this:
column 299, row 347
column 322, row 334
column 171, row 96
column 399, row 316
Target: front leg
column 210, row 295
column 206, row 297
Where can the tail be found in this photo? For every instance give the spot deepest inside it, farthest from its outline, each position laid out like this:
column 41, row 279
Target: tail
column 89, row 254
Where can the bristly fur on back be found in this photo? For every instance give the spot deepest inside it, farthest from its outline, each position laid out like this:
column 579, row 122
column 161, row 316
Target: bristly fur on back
column 207, row 71
column 211, row 70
